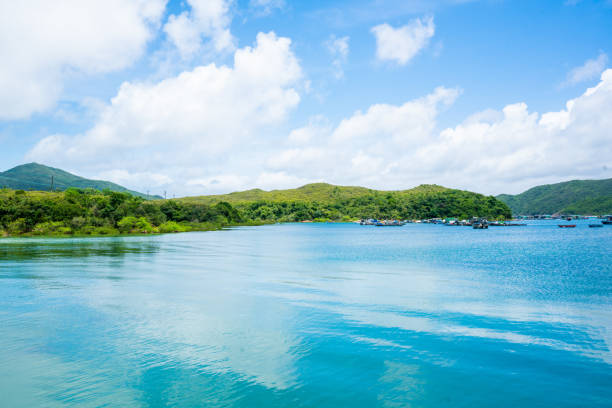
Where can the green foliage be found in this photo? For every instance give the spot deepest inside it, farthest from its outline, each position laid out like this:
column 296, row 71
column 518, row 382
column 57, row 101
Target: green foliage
column 51, row 228
column 142, row 225
column 172, row 226
column 90, row 212
column 34, row 176
column 327, row 202
column 571, row 197
column 127, row 224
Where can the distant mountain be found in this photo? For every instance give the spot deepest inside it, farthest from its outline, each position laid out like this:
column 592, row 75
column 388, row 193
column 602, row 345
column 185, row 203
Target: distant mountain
column 34, row 176
column 570, row 197
column 326, row 201
column 320, row 192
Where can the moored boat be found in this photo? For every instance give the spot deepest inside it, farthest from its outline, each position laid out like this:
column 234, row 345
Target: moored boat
column 595, row 225
column 567, row 225
column 480, row 223
column 506, row 224
column 390, row 223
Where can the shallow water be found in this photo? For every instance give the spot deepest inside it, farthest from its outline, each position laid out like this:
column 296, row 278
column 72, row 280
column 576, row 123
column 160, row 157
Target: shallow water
column 310, row 315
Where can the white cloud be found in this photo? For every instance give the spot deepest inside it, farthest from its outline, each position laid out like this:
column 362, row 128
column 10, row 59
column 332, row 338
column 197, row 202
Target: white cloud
column 493, row 151
column 219, row 183
column 145, row 179
column 276, row 180
column 318, row 127
column 206, row 19
column 591, row 69
column 43, row 42
column 188, row 121
column 214, row 138
column 406, row 125
column 339, row 50
column 402, row 44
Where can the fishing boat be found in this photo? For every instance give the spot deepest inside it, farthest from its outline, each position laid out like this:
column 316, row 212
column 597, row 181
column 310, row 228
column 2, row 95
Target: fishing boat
column 595, row 225
column 506, row 224
column 567, row 225
column 371, row 221
column 480, row 223
column 389, row 223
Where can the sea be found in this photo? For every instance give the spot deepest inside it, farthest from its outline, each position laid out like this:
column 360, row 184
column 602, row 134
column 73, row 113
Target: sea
column 310, row 315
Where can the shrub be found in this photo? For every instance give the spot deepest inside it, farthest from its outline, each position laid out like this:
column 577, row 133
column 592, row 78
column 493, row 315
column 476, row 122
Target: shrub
column 127, row 224
column 17, row 227
column 171, row 226
column 106, row 230
column 78, row 222
column 49, row 228
column 143, row 225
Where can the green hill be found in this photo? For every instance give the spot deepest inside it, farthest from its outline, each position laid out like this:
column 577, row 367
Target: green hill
column 570, row 197
column 321, row 192
column 34, row 176
column 326, row 201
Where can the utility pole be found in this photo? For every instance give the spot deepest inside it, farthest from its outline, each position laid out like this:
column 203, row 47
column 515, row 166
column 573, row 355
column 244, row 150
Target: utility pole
column 164, row 194
column 147, row 194
column 52, row 187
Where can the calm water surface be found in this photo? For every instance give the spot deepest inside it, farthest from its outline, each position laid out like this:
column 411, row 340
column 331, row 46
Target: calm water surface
column 323, row 315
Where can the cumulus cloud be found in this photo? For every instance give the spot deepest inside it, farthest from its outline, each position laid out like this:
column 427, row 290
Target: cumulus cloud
column 206, row 19
column 363, row 148
column 317, row 127
column 43, row 42
column 187, row 121
column 401, row 44
column 510, row 150
column 591, row 69
column 144, row 179
column 338, row 48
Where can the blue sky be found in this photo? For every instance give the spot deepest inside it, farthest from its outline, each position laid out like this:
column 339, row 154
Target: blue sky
column 210, row 96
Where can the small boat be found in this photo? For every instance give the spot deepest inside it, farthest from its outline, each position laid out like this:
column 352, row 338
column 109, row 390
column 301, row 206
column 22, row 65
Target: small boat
column 390, row 223
column 480, row 223
column 371, row 221
column 607, row 220
column 595, row 225
column 506, row 224
column 567, row 225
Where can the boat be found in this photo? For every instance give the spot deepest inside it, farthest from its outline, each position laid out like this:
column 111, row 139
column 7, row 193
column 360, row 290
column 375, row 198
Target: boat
column 390, row 223
column 607, row 220
column 567, row 225
column 595, row 225
column 371, row 221
column 506, row 224
column 480, row 223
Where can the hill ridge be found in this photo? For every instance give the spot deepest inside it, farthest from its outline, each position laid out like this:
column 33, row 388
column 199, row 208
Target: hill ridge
column 591, row 196
column 36, row 176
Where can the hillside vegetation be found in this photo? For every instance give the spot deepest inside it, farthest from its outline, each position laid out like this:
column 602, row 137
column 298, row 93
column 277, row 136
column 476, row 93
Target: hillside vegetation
column 325, row 201
column 91, row 212
column 34, row 176
column 570, row 197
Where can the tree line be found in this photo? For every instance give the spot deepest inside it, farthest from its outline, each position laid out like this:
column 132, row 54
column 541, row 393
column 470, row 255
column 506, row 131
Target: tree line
column 92, row 212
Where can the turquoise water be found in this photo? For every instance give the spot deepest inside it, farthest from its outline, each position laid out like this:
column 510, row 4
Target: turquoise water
column 319, row 315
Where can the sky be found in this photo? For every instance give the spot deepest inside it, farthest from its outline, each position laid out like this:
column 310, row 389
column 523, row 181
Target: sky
column 194, row 97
